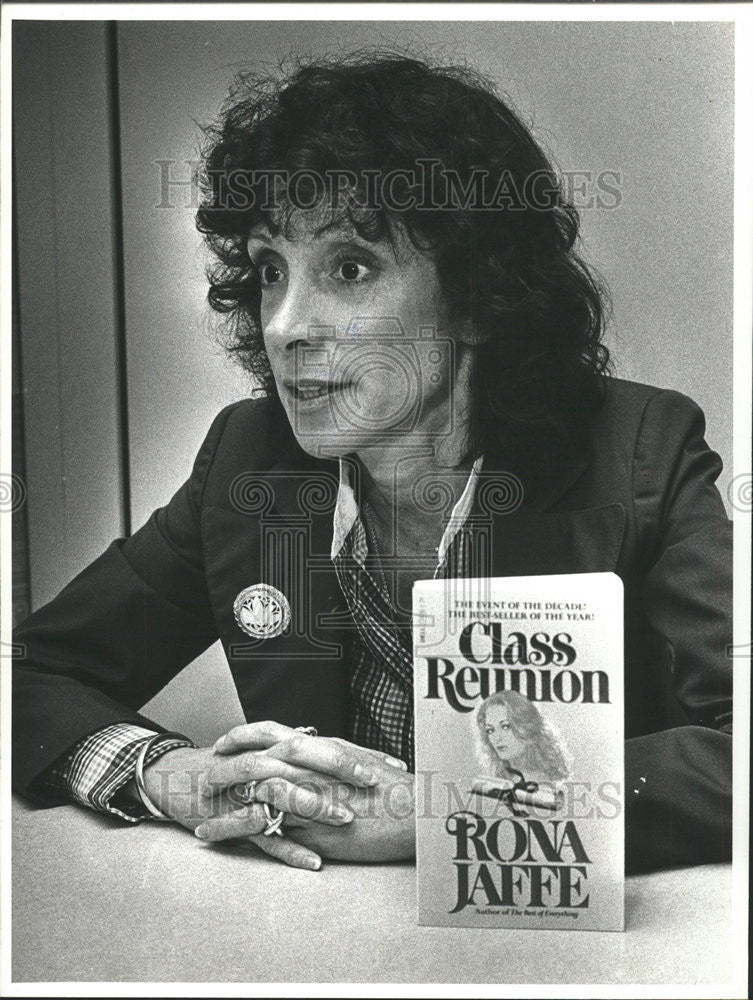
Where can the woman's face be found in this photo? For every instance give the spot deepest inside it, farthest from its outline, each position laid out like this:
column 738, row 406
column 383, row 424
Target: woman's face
column 356, row 337
column 501, row 735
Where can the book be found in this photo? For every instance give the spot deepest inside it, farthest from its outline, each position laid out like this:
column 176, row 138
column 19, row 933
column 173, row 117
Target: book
column 519, row 731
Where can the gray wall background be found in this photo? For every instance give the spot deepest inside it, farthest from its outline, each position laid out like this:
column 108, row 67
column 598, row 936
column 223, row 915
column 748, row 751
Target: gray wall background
column 120, row 375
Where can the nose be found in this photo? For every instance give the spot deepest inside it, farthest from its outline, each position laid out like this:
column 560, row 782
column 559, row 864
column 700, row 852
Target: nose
column 295, row 336
column 293, row 318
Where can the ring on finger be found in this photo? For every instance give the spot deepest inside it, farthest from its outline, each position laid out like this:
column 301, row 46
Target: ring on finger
column 274, row 820
column 248, row 792
column 307, row 730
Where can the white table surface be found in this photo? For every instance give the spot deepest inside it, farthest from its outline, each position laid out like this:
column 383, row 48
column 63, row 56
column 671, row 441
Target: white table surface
column 94, row 901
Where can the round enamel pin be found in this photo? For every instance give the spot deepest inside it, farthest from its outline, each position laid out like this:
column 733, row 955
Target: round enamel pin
column 262, row 611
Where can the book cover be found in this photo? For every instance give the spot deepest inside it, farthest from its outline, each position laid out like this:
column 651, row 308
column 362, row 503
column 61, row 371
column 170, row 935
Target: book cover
column 520, row 751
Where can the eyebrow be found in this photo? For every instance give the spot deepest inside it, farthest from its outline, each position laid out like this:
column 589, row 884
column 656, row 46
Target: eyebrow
column 345, row 233
column 338, row 225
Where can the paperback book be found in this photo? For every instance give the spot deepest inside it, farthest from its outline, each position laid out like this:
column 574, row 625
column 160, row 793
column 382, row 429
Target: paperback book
column 520, row 751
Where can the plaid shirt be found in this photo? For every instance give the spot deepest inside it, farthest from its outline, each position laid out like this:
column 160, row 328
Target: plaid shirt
column 95, row 771
column 381, row 650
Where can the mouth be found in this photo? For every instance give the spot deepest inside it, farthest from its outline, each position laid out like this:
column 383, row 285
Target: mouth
column 309, row 391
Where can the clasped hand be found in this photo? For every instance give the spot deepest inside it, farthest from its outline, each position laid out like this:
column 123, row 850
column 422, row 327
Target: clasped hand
column 340, row 800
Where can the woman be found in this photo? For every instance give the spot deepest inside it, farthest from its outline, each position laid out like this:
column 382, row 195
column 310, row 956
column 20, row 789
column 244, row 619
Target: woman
column 397, row 264
column 514, row 737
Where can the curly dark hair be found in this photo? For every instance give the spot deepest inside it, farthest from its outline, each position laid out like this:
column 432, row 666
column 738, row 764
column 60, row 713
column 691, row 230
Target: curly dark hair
column 535, row 307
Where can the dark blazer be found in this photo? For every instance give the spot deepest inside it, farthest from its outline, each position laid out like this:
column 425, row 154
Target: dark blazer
column 638, row 498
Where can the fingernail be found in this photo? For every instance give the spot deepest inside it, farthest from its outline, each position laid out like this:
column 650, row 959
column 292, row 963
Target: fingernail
column 220, row 744
column 201, row 832
column 313, row 864
column 397, row 763
column 366, row 776
column 342, row 815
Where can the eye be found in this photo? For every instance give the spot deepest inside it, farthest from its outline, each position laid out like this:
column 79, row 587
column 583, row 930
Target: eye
column 270, row 274
column 351, row 272
column 504, row 725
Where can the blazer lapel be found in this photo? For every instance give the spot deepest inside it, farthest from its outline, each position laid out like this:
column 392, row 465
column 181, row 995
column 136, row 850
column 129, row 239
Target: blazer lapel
column 281, row 532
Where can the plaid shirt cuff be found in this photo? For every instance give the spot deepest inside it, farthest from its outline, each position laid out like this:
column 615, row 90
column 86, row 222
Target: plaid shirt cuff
column 97, row 768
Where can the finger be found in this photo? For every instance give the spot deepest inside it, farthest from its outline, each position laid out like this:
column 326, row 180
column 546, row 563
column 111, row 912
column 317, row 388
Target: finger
column 328, row 757
column 304, row 801
column 392, row 761
column 289, row 852
column 252, row 736
column 247, row 821
column 245, row 767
